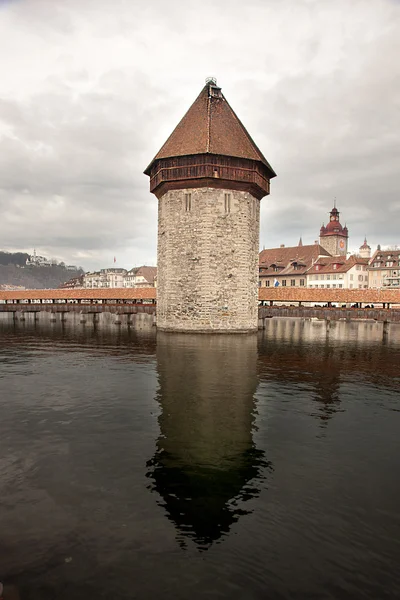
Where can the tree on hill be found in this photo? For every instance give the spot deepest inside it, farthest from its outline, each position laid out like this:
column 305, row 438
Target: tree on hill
column 13, row 258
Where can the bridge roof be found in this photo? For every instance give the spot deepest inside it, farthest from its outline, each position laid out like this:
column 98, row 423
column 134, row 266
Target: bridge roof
column 341, row 296
column 278, row 294
column 81, row 294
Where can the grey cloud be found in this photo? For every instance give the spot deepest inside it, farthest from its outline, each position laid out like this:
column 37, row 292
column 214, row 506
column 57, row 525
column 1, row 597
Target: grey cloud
column 94, row 89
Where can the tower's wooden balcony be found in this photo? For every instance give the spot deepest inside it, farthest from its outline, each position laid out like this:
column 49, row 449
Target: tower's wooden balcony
column 208, row 170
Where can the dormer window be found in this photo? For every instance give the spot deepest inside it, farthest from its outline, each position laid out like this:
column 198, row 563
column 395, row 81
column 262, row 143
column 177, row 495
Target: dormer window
column 335, row 266
column 317, row 267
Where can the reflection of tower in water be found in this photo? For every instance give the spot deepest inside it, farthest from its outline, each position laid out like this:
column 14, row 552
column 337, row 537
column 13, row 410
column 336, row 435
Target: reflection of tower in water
column 206, row 464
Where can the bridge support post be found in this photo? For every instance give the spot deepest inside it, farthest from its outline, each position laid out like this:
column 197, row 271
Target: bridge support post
column 385, row 331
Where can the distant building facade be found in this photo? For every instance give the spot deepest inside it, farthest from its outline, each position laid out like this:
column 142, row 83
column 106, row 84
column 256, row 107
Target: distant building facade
column 338, row 272
column 384, row 269
column 138, row 277
column 105, row 278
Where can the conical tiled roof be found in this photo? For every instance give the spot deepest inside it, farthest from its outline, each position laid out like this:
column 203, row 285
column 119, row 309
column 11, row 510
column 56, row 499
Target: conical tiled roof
column 211, row 126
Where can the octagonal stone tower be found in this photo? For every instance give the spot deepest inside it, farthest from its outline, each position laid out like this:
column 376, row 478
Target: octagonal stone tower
column 209, row 178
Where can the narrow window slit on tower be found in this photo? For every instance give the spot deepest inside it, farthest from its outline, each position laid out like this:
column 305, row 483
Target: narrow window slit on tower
column 227, row 203
column 188, row 202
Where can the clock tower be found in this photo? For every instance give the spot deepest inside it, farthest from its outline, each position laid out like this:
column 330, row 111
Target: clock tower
column 334, row 237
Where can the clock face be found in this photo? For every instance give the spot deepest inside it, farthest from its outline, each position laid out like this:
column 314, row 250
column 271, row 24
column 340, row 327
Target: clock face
column 341, row 244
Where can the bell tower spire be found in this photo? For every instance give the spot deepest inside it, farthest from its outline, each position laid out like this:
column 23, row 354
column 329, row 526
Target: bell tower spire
column 333, row 237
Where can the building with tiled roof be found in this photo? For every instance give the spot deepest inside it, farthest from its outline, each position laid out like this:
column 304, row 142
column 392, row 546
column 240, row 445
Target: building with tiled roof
column 74, row 283
column 384, row 269
column 338, row 272
column 288, row 266
column 141, row 277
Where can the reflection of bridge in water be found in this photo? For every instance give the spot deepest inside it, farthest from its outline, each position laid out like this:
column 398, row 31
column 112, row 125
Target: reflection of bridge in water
column 303, row 358
column 207, row 470
column 206, row 466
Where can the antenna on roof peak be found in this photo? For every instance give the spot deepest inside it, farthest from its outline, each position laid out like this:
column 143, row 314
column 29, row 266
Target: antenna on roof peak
column 211, row 80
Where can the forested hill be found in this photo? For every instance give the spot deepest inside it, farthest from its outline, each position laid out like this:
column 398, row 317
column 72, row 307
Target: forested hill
column 13, row 258
column 13, row 271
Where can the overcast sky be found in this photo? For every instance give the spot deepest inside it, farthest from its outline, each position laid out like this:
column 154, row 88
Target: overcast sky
column 91, row 89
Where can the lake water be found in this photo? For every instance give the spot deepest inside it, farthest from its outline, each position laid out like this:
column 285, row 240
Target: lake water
column 136, row 465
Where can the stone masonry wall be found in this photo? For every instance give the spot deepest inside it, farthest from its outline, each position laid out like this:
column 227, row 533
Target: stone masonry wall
column 207, row 261
column 331, row 244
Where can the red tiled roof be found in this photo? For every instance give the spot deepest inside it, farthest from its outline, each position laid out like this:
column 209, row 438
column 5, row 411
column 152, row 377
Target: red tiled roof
column 325, row 264
column 82, row 294
column 210, row 126
column 285, row 257
column 297, row 294
column 149, row 273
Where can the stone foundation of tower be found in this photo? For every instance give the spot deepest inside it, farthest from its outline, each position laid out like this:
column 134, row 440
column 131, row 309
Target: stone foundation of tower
column 208, row 244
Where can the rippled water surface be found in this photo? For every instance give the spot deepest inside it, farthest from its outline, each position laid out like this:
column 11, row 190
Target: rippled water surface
column 136, row 465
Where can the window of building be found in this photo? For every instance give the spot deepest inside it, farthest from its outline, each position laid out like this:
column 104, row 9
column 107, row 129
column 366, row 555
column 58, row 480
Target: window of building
column 335, row 266
column 328, row 277
column 351, row 277
column 188, row 202
column 351, row 285
column 259, row 283
column 360, row 278
column 389, row 264
column 292, row 282
column 334, row 285
column 340, row 285
column 358, row 267
column 317, row 267
column 302, row 282
column 227, row 203
column 267, row 283
column 284, row 282
column 328, row 285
